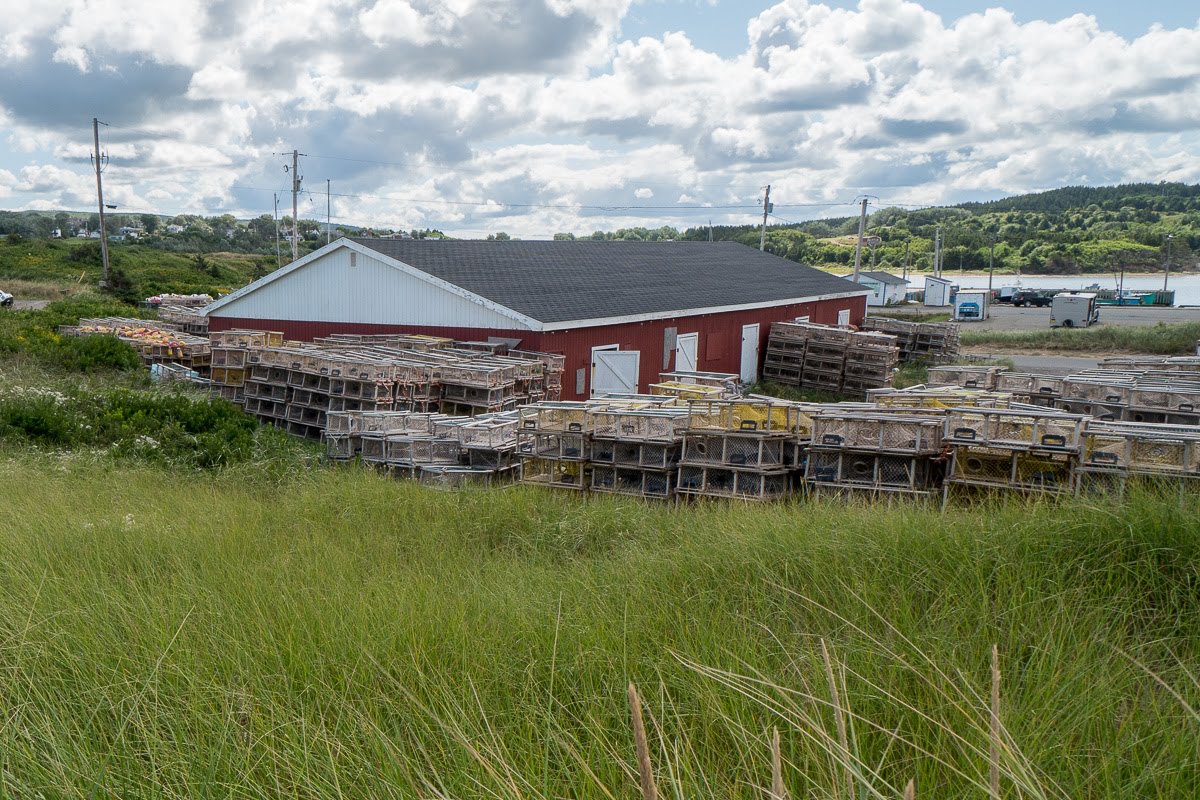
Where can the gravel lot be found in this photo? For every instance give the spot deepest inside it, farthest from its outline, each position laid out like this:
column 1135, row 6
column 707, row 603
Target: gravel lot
column 1008, row 318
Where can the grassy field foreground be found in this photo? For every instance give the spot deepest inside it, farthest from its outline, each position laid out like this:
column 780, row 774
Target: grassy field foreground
column 335, row 634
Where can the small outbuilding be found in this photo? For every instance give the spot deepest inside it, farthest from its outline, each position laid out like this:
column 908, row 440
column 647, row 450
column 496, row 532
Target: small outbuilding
column 939, row 292
column 621, row 312
column 886, row 289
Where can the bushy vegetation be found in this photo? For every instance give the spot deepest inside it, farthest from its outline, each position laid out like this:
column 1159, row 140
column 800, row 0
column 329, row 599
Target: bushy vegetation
column 347, row 635
column 1161, row 339
column 33, row 335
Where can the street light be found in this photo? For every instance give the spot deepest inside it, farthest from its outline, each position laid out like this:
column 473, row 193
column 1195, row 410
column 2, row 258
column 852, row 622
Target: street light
column 1167, row 273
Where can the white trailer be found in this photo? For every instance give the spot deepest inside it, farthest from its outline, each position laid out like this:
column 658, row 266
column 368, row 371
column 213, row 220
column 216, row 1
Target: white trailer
column 1074, row 310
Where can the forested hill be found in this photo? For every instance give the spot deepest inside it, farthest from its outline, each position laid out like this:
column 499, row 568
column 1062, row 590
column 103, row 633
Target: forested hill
column 1176, row 197
column 1063, row 231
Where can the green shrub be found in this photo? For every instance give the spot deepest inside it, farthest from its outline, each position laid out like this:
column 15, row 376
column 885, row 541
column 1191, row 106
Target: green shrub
column 89, row 353
column 172, row 428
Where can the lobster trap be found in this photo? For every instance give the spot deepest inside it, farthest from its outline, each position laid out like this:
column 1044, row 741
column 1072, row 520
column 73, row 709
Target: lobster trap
column 748, row 415
column 650, row 424
column 879, row 472
column 882, row 433
column 1013, row 429
column 731, row 483
column 648, row 483
column 645, row 455
column 1010, row 469
column 554, row 446
column 557, row 474
column 749, row 451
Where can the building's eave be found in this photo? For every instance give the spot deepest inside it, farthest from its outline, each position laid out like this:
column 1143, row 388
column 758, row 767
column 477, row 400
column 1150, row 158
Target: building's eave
column 695, row 312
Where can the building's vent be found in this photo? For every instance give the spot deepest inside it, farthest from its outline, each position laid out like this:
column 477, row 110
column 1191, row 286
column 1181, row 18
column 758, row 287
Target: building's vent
column 353, row 259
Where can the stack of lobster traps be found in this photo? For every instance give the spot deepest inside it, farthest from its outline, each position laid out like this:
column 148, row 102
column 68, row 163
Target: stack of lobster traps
column 230, row 359
column 1022, row 449
column 1112, row 393
column 929, row 341
column 635, row 450
column 1113, row 453
column 967, row 376
column 825, row 358
column 188, row 319
column 295, row 385
column 880, row 451
column 747, row 448
column 554, row 444
column 437, row 449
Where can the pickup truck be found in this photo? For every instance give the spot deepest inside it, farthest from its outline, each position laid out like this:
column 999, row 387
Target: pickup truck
column 6, row 299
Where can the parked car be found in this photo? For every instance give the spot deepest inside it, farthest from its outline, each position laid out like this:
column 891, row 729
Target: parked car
column 1038, row 298
column 6, row 299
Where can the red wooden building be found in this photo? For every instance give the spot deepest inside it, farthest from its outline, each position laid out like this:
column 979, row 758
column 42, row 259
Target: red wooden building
column 621, row 312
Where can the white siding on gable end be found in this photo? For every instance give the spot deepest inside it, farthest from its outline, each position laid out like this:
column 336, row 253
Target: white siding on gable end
column 329, row 289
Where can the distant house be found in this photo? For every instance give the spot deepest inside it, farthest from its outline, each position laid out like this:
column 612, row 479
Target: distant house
column 129, row 232
column 886, row 289
column 174, row 229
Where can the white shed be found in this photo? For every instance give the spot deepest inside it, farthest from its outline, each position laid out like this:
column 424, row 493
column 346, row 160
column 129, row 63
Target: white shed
column 886, row 289
column 937, row 291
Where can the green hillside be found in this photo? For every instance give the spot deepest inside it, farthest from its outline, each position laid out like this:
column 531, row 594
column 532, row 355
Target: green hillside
column 1071, row 230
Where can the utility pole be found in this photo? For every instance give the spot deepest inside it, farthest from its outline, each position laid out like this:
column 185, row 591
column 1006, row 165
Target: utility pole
column 710, row 231
column 1166, row 274
column 328, row 218
column 991, row 269
column 906, row 259
column 278, row 257
column 99, row 161
column 295, row 193
column 767, row 208
column 862, row 224
column 937, row 252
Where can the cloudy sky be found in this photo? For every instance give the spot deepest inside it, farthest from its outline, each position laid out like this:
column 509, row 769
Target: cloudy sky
column 537, row 116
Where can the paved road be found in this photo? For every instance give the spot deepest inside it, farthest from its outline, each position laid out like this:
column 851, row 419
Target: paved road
column 1008, row 318
column 1047, row 365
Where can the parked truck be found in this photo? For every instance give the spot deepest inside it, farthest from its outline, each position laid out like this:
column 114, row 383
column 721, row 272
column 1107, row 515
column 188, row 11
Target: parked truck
column 1074, row 310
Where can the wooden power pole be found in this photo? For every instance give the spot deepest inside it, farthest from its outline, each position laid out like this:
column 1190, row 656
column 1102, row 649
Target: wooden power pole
column 99, row 161
column 295, row 194
column 767, row 207
column 862, row 224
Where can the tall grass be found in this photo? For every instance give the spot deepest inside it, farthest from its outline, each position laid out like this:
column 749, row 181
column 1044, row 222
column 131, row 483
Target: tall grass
column 164, row 634
column 1161, row 339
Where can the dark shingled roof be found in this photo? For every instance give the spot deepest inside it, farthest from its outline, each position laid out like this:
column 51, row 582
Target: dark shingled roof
column 883, row 277
column 563, row 281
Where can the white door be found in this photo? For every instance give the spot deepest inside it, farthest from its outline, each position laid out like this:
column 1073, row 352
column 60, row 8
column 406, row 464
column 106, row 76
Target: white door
column 844, row 317
column 614, row 370
column 685, row 352
column 749, row 353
